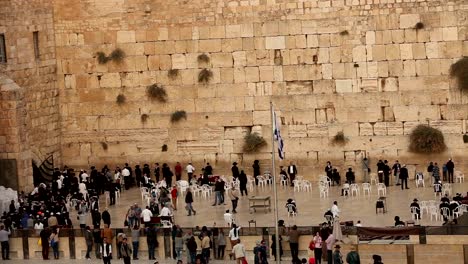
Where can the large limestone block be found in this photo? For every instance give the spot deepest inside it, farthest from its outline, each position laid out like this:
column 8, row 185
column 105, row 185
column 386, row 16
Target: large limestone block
column 317, row 130
column 297, row 131
column 394, row 128
column 275, row 42
column 432, row 50
column 409, row 20
column 406, row 113
column 233, row 31
column 230, row 45
column 344, row 86
column 238, row 132
column 312, row 41
column 379, row 52
column 126, row 37
column 209, row 45
column 450, row 33
column 221, row 60
column 217, row 32
column 299, row 87
column 323, row 86
column 261, row 117
column 406, row 51
column 111, row 80
column 392, row 52
column 239, row 58
column 448, row 126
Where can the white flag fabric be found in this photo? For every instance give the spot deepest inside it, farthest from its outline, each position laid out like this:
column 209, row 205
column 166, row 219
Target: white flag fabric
column 277, row 136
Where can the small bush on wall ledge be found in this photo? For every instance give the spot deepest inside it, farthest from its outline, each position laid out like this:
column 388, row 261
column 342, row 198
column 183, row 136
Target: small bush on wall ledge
column 339, row 139
column 253, row 142
column 173, row 73
column 465, row 138
column 459, row 71
column 419, row 25
column 104, row 145
column 156, row 92
column 205, row 76
column 426, row 140
column 178, row 115
column 203, row 58
column 344, row 33
column 120, row 100
column 144, row 118
column 116, row 55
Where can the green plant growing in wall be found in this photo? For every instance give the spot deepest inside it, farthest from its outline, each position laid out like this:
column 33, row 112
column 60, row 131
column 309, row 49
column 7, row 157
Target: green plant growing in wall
column 144, row 118
column 419, row 25
column 253, row 142
column 426, row 140
column 459, row 71
column 339, row 139
column 173, row 73
column 178, row 115
column 116, row 55
column 205, row 76
column 121, row 99
column 156, row 92
column 164, row 148
column 104, row 145
column 203, row 58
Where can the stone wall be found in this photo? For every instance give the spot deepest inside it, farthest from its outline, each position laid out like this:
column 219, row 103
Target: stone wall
column 355, row 66
column 29, row 95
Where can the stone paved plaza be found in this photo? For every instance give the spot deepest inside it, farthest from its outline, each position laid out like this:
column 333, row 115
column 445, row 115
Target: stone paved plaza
column 311, row 208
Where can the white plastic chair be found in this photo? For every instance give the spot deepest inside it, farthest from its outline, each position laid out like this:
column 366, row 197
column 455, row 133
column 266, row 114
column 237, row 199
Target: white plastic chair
column 414, row 212
column 251, row 182
column 144, row 191
column 323, row 191
column 447, row 188
column 445, row 212
column 464, row 208
column 196, row 190
column 437, row 190
column 261, row 181
column 459, row 176
column 381, row 188
column 107, row 197
column 291, row 210
column 306, row 186
column 366, row 187
column 419, row 180
column 297, row 185
column 206, row 191
column 373, row 178
column 434, row 213
column 354, row 188
column 423, row 205
column 457, row 212
column 284, row 180
column 183, row 185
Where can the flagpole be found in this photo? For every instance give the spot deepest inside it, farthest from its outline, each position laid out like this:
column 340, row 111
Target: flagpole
column 275, row 194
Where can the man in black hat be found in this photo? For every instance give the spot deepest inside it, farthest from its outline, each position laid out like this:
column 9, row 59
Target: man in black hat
column 235, row 170
column 415, row 206
column 337, row 257
column 404, row 177
column 377, row 259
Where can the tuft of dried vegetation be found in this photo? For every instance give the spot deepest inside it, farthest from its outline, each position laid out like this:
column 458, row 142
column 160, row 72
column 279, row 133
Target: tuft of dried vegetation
column 121, row 99
column 205, row 76
column 178, row 115
column 426, row 140
column 156, row 92
column 459, row 71
column 253, row 142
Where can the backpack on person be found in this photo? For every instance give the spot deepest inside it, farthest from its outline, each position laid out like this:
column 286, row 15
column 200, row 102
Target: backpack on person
column 312, row 245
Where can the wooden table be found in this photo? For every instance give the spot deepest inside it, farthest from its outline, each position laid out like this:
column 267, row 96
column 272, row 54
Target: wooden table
column 259, row 202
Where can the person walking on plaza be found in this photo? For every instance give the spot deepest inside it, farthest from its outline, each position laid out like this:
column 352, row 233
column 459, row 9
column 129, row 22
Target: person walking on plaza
column 125, row 251
column 239, row 252
column 235, row 170
column 190, row 170
column 205, row 245
column 337, row 257
column 4, row 240
column 396, row 172
column 89, row 241
column 292, row 171
column 174, row 195
column 243, row 183
column 404, row 177
column 106, row 251
column 294, row 243
column 317, row 241
column 450, row 167
column 330, row 242
column 233, row 194
column 97, row 241
column 189, row 202
column 135, row 241
column 353, row 256
column 256, row 170
column 45, row 234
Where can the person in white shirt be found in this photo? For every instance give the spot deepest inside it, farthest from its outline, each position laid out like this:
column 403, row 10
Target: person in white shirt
column 146, row 215
column 106, row 251
column 334, row 209
column 84, row 177
column 126, row 177
column 234, row 234
column 228, row 218
column 59, row 184
column 190, row 170
column 239, row 252
column 166, row 213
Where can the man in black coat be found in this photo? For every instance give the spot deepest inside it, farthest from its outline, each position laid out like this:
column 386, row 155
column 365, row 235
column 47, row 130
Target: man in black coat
column 450, row 166
column 418, row 208
column 404, row 177
column 292, row 171
column 106, row 218
column 386, row 172
column 235, row 170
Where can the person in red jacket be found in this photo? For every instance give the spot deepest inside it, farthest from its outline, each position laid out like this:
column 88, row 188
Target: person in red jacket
column 178, row 171
column 174, row 195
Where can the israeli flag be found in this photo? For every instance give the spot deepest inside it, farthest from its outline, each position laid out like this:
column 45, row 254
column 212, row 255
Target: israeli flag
column 277, row 136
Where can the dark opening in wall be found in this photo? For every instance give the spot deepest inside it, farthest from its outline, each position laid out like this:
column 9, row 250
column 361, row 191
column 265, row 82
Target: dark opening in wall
column 36, row 44
column 3, row 55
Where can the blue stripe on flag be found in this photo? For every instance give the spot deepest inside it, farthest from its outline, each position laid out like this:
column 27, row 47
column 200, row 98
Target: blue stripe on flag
column 277, row 136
